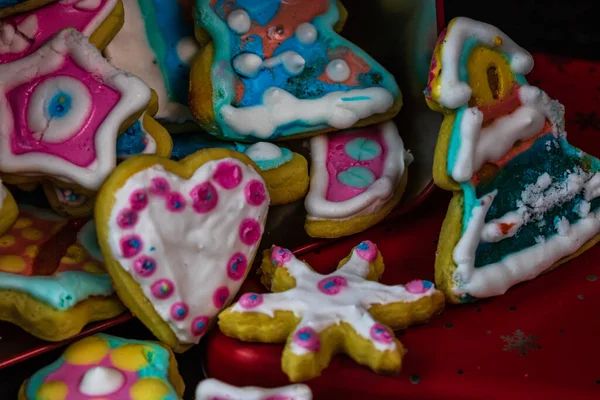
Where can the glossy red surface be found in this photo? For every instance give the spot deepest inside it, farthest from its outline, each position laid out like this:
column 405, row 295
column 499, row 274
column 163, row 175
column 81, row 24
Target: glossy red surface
column 537, row 341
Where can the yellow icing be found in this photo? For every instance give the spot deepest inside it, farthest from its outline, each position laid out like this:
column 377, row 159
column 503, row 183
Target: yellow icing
column 7, row 241
column 130, row 357
column 93, row 267
column 53, row 390
column 32, row 234
column 22, row 223
column 149, row 389
column 481, row 60
column 90, row 350
column 32, row 251
column 12, row 263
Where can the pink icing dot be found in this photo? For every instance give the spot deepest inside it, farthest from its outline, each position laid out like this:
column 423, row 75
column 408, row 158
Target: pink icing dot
column 418, row 286
column 236, row 266
column 205, row 197
column 228, row 175
column 332, row 285
column 255, row 193
column 307, row 338
column 175, row 202
column 199, row 325
column 179, row 311
column 131, row 245
column 380, row 333
column 159, row 186
column 162, row 289
column 367, row 250
column 280, row 256
column 144, row 266
column 127, row 218
column 138, row 200
column 220, row 296
column 250, row 300
column 250, row 231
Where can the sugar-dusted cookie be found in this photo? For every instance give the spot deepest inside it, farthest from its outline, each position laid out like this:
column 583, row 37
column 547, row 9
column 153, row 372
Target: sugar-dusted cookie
column 52, row 299
column 10, row 7
column 212, row 389
column 8, row 209
column 62, row 107
column 157, row 44
column 320, row 315
column 23, row 34
column 180, row 237
column 108, row 368
column 525, row 200
column 357, row 178
column 278, row 69
column 285, row 172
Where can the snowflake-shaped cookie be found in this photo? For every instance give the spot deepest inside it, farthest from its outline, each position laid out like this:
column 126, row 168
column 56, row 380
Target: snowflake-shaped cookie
column 320, row 315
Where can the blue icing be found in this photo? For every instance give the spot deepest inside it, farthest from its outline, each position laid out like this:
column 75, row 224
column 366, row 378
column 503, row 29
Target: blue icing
column 356, row 177
column 362, row 149
column 266, row 165
column 131, row 142
column 8, row 3
column 355, row 98
column 89, row 240
column 166, row 26
column 303, row 86
column 60, row 105
column 61, row 291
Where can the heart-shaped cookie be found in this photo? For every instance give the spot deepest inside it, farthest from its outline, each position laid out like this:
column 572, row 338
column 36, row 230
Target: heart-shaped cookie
column 179, row 237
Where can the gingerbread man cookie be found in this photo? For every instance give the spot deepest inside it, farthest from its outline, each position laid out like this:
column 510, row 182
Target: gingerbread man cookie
column 321, row 315
column 212, row 389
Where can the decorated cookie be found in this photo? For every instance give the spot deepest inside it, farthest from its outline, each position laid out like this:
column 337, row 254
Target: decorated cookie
column 52, row 299
column 357, row 178
column 8, row 209
column 525, row 200
column 145, row 136
column 61, row 108
column 180, row 237
column 212, row 389
column 318, row 315
column 108, row 368
column 23, row 34
column 285, row 172
column 277, row 68
column 69, row 200
column 157, row 44
column 10, row 7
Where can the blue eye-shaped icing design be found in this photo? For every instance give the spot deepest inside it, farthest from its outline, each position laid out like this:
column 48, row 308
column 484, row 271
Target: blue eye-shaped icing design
column 58, row 109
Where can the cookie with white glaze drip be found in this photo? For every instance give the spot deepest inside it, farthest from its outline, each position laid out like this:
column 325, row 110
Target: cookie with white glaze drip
column 278, row 69
column 211, row 389
column 525, row 200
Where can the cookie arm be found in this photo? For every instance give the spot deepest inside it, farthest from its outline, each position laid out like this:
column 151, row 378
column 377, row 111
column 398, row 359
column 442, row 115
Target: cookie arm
column 400, row 315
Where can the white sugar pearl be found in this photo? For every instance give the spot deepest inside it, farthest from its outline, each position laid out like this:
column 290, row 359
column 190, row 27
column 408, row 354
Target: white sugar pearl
column 101, row 381
column 338, row 70
column 239, row 21
column 306, row 33
column 247, row 64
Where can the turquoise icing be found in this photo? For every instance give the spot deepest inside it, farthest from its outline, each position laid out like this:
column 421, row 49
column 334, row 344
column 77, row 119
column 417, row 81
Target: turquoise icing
column 165, row 27
column 357, row 177
column 184, row 145
column 8, row 3
column 158, row 356
column 362, row 149
column 61, row 291
column 131, row 142
column 303, row 86
column 89, row 240
column 60, row 105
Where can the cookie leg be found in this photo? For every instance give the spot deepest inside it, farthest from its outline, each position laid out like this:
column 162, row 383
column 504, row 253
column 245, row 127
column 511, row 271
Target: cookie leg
column 401, row 315
column 258, row 327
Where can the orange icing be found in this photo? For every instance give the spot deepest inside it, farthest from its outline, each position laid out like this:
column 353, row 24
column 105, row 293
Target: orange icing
column 357, row 65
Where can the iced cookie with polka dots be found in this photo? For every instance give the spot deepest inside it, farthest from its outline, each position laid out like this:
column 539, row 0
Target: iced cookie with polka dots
column 180, row 237
column 108, row 368
column 24, row 33
column 278, row 69
column 50, row 296
column 318, row 316
column 10, row 7
column 157, row 44
column 285, row 172
column 61, row 110
column 357, row 177
column 8, row 209
column 212, row 389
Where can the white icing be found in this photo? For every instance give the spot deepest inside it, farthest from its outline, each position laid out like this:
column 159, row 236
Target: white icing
column 318, row 310
column 209, row 389
column 43, row 126
column 280, row 107
column 263, row 151
column 3, row 191
column 455, row 93
column 368, row 202
column 592, row 187
column 492, row 231
column 291, row 61
column 191, row 249
column 29, row 26
column 187, row 48
column 247, row 64
column 130, row 51
column 101, row 381
column 478, row 146
column 49, row 58
column 239, row 21
column 306, row 33
column 338, row 70
column 88, row 5
column 61, row 196
column 11, row 41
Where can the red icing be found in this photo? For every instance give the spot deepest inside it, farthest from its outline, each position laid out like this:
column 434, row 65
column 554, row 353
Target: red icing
column 79, row 149
column 505, row 228
column 52, row 19
column 338, row 160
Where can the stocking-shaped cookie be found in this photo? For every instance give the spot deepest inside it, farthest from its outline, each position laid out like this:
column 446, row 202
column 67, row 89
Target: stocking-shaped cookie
column 524, row 200
column 277, row 68
column 179, row 237
column 320, row 315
